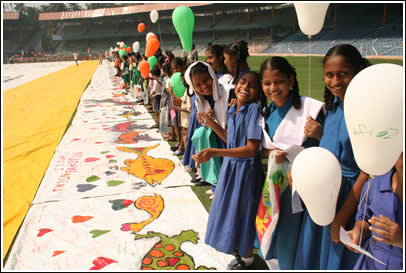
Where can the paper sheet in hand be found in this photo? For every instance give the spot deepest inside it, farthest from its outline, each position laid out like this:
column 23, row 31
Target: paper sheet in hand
column 346, row 239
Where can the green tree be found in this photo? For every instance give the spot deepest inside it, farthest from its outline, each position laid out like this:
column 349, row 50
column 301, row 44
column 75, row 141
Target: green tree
column 74, row 7
column 20, row 7
column 55, row 7
column 44, row 8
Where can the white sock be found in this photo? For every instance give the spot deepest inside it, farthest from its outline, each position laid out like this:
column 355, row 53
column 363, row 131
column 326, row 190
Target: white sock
column 248, row 261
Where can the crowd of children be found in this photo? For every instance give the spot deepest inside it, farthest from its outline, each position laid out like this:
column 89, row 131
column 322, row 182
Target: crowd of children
column 229, row 117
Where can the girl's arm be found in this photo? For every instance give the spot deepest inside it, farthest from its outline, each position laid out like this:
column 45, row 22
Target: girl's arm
column 209, row 117
column 249, row 150
column 349, row 207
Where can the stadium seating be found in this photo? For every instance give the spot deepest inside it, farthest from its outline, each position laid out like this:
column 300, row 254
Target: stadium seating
column 273, row 32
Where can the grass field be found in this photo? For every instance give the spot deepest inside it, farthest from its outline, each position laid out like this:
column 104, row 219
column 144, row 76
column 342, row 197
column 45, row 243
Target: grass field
column 302, row 70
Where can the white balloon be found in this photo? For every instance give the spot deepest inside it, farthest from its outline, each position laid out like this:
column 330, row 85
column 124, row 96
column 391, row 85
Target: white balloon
column 136, row 46
column 154, row 16
column 122, row 44
column 311, row 16
column 373, row 114
column 316, row 176
column 149, row 34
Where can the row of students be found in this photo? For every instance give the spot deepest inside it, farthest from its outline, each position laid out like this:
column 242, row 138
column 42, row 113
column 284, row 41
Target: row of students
column 298, row 242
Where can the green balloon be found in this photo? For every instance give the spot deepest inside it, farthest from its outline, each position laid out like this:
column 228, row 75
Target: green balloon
column 125, row 46
column 183, row 19
column 177, row 86
column 152, row 62
column 121, row 53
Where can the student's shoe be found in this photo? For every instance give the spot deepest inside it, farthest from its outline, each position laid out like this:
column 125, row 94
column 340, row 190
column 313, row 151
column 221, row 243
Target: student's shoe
column 238, row 263
column 177, row 152
column 209, row 192
column 174, row 148
column 211, row 197
column 201, row 183
column 196, row 179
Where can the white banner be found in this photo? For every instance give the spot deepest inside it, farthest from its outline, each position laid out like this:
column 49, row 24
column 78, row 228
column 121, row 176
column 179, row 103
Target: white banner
column 162, row 230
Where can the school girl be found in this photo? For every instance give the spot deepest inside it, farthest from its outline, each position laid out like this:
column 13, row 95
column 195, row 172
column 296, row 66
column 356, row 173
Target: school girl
column 319, row 247
column 380, row 216
column 284, row 121
column 231, row 223
column 210, row 95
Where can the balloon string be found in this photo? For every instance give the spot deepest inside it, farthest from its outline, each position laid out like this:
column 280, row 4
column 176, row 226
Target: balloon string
column 160, row 36
column 365, row 209
column 310, row 45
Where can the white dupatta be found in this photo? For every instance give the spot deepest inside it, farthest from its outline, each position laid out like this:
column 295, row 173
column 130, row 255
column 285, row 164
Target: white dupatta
column 220, row 96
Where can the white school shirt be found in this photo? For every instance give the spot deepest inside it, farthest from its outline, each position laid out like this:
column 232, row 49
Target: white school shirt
column 156, row 88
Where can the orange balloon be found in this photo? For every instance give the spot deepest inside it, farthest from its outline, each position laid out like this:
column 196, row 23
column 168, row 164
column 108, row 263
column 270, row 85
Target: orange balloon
column 141, row 27
column 128, row 49
column 152, row 46
column 121, row 47
column 143, row 67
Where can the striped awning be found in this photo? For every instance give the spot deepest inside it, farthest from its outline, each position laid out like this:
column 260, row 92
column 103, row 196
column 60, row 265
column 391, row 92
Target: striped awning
column 11, row 15
column 44, row 16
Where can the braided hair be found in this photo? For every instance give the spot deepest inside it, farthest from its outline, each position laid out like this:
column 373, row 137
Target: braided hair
column 283, row 66
column 353, row 57
column 239, row 49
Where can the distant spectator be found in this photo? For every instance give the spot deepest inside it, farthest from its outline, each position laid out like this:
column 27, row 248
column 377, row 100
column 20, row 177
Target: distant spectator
column 100, row 57
column 193, row 55
column 75, row 57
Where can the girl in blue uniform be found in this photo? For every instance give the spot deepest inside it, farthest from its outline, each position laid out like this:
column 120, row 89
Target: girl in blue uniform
column 382, row 226
column 215, row 58
column 318, row 246
column 285, row 118
column 231, row 224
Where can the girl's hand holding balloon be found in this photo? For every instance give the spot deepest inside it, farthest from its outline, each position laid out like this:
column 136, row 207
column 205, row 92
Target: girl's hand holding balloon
column 355, row 233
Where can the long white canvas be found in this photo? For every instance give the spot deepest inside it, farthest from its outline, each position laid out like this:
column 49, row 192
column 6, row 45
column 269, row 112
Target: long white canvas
column 75, row 174
column 133, row 231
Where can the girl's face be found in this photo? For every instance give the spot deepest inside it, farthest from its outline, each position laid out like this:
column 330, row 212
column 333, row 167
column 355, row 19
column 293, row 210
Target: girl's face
column 247, row 89
column 203, row 83
column 276, row 86
column 231, row 62
column 214, row 61
column 337, row 75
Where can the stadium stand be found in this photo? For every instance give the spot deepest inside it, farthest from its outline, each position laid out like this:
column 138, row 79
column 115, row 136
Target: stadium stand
column 269, row 28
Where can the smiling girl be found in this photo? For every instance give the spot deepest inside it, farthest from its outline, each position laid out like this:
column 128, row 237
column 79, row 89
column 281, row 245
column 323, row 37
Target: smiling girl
column 285, row 118
column 231, row 223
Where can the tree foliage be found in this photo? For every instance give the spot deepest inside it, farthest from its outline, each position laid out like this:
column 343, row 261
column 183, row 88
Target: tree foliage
column 74, row 7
